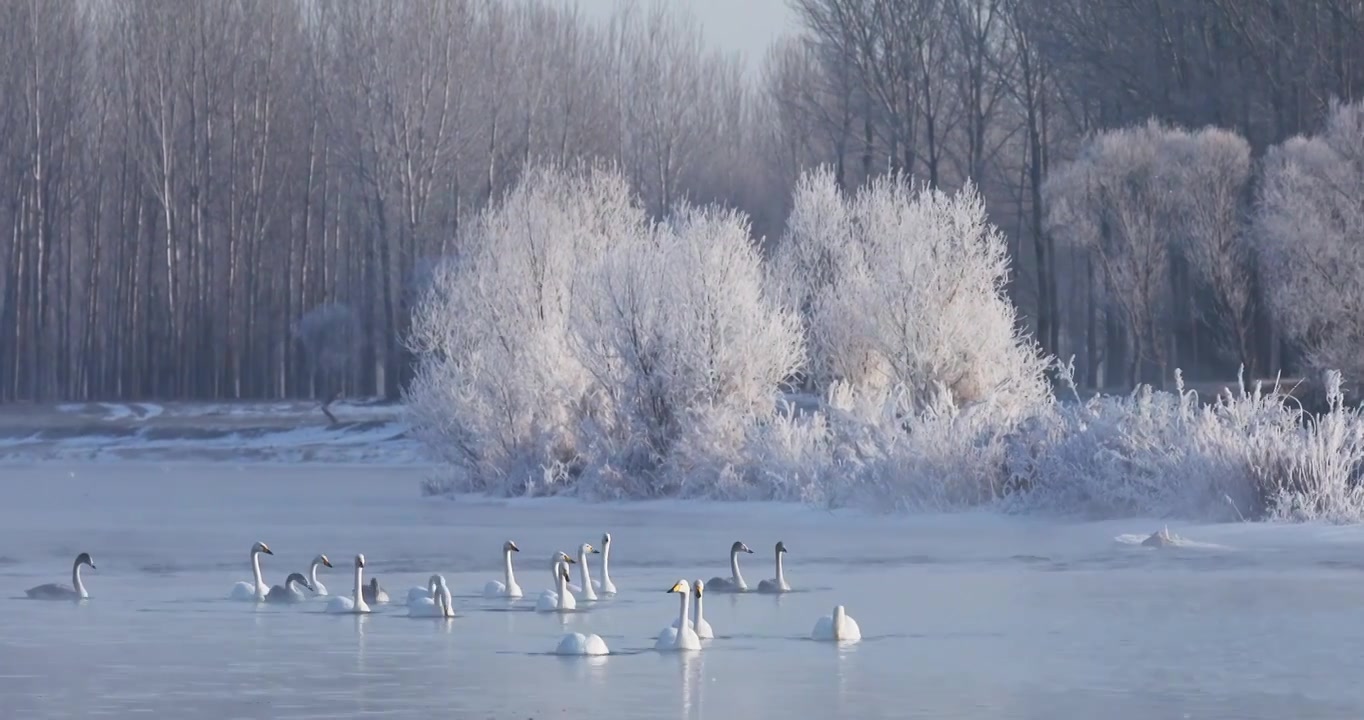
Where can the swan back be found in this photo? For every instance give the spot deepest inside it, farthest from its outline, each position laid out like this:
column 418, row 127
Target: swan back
column 580, row 644
column 837, row 626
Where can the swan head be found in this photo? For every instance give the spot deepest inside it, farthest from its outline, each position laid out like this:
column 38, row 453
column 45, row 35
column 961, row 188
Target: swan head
column 562, row 556
column 563, row 572
column 587, row 549
column 360, row 560
column 681, row 586
column 322, row 560
column 297, row 578
column 261, row 547
column 781, row 547
column 739, row 547
column 605, row 539
column 697, row 587
column 510, row 546
column 84, row 559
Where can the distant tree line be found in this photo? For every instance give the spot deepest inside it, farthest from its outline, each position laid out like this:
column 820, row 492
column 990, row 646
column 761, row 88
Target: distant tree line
column 1007, row 92
column 243, row 198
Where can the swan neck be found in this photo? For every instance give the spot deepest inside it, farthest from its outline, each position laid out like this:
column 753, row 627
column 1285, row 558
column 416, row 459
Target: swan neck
column 312, row 573
column 560, row 582
column 734, row 568
column 359, row 585
column 585, row 572
column 781, row 577
column 255, row 572
column 507, row 568
column 76, row 580
column 605, row 561
column 696, row 614
column 682, row 614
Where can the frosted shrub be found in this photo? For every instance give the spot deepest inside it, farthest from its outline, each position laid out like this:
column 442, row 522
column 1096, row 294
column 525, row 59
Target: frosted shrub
column 913, row 346
column 1249, row 454
column 499, row 390
column 685, row 344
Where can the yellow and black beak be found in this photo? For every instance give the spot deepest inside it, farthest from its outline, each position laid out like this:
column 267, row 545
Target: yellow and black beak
column 593, row 550
column 680, row 587
column 266, row 549
column 326, row 562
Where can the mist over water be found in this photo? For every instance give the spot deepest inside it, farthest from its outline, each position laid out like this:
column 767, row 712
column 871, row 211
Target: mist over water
column 963, row 616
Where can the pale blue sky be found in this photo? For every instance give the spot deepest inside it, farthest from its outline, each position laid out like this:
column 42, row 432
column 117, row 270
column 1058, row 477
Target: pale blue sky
column 748, row 26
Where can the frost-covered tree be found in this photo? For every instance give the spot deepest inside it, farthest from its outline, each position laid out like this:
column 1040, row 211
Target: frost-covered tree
column 1310, row 229
column 574, row 334
column 684, row 339
column 1207, row 173
column 1114, row 201
column 498, row 381
column 902, row 290
column 1135, row 199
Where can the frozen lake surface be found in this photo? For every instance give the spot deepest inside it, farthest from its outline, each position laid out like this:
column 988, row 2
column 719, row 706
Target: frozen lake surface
column 966, row 616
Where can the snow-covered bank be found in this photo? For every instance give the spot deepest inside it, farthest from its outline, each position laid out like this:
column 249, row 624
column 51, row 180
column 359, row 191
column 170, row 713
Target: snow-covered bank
column 578, row 346
column 287, row 432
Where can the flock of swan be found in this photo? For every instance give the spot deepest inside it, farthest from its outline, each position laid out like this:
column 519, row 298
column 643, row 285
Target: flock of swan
column 434, row 599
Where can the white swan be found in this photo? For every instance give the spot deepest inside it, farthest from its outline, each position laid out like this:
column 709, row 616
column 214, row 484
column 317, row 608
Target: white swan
column 318, row 587
column 586, row 587
column 838, row 627
column 605, row 586
column 374, row 594
column 287, row 593
column 779, row 584
column 681, row 636
column 561, row 598
column 580, row 644
column 508, row 587
column 422, row 595
column 736, row 583
column 439, row 604
column 57, row 591
column 698, row 621
column 356, row 603
column 257, row 589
